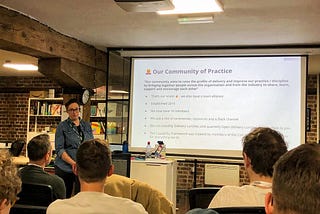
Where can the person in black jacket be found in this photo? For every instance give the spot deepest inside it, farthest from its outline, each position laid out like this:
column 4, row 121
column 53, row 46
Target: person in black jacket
column 40, row 152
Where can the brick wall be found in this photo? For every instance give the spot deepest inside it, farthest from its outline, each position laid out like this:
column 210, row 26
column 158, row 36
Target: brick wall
column 311, row 136
column 28, row 83
column 14, row 94
column 13, row 116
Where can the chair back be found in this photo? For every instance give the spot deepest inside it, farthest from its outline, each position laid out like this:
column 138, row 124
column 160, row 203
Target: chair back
column 240, row 210
column 27, row 209
column 35, row 194
column 202, row 196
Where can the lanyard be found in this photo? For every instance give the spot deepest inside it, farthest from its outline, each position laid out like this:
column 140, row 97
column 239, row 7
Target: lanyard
column 78, row 131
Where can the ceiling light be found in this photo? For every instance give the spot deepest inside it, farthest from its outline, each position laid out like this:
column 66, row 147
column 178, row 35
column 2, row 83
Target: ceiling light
column 21, row 67
column 194, row 6
column 195, row 20
column 118, row 92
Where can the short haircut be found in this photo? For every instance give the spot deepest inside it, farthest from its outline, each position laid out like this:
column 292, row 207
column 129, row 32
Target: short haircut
column 10, row 183
column 264, row 146
column 69, row 102
column 296, row 181
column 38, row 147
column 93, row 160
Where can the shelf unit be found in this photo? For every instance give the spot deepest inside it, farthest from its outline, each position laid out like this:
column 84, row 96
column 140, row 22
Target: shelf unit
column 44, row 115
column 117, row 121
column 109, row 121
column 98, row 117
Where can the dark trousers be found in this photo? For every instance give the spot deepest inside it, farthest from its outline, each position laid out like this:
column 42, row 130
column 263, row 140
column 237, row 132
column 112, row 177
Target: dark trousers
column 69, row 179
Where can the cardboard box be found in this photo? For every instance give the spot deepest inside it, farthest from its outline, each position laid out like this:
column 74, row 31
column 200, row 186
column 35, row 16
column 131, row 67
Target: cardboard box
column 38, row 94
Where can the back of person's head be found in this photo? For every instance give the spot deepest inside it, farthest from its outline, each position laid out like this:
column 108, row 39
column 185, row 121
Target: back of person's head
column 16, row 147
column 72, row 100
column 93, row 160
column 38, row 147
column 296, row 181
column 10, row 183
column 264, row 146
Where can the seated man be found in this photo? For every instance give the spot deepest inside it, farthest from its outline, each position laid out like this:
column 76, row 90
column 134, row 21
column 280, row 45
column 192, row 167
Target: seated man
column 296, row 182
column 39, row 153
column 262, row 147
column 93, row 166
column 10, row 183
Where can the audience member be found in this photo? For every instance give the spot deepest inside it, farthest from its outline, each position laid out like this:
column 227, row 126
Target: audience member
column 93, row 167
column 149, row 197
column 262, row 147
column 296, row 182
column 16, row 147
column 69, row 135
column 40, row 152
column 10, row 183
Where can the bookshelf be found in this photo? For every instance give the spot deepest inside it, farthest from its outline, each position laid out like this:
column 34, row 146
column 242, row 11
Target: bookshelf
column 44, row 115
column 109, row 121
column 117, row 121
column 98, row 117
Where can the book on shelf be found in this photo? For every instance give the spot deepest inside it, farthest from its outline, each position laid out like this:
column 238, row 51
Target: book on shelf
column 112, row 109
column 101, row 112
column 45, row 108
column 93, row 111
column 96, row 128
column 55, row 109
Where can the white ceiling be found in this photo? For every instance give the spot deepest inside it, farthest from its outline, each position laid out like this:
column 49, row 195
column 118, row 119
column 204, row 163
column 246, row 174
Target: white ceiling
column 102, row 23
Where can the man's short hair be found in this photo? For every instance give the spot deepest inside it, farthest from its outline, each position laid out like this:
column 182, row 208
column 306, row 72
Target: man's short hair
column 93, row 160
column 264, row 146
column 38, row 147
column 10, row 183
column 296, row 181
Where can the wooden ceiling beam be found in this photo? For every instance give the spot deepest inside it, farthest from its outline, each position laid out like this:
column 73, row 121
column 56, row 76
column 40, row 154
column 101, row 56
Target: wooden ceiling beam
column 71, row 74
column 22, row 34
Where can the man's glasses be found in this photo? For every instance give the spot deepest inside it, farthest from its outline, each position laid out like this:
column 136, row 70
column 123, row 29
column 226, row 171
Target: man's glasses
column 73, row 110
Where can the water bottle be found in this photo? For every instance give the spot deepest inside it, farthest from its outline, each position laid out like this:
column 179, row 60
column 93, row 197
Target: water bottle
column 125, row 146
column 148, row 151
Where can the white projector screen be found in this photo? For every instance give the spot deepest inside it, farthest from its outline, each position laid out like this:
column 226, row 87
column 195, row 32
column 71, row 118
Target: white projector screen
column 205, row 105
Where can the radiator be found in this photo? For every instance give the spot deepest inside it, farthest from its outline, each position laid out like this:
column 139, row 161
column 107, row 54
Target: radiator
column 221, row 174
